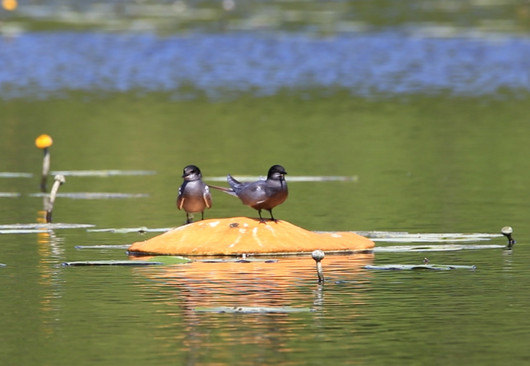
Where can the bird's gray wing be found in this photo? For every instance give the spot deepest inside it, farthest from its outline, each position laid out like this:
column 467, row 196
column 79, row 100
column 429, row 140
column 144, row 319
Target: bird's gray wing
column 253, row 193
column 180, row 199
column 207, row 197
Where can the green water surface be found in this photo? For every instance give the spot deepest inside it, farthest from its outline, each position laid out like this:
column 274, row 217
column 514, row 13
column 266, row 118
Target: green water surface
column 421, row 164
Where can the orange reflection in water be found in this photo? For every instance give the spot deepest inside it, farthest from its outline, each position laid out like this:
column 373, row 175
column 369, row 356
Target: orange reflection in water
column 286, row 282
column 268, row 282
column 44, row 236
column 49, row 248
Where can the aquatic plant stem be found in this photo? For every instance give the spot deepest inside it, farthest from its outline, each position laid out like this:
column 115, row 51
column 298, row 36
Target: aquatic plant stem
column 318, row 255
column 507, row 231
column 58, row 181
column 45, row 169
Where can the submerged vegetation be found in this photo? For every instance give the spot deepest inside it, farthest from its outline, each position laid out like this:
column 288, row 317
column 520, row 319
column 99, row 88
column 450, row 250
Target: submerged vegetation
column 321, row 18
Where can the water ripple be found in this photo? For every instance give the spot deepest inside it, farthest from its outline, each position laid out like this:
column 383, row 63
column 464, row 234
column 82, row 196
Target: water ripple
column 367, row 64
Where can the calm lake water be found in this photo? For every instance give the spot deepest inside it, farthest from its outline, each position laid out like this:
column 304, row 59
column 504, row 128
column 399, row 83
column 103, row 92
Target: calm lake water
column 431, row 128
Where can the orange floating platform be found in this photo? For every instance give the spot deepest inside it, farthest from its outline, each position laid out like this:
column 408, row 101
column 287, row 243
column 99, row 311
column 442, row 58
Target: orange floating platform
column 243, row 235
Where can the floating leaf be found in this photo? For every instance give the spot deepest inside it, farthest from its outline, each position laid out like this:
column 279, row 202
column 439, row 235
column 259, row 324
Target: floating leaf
column 170, row 259
column 24, row 231
column 102, row 173
column 252, row 309
column 290, row 178
column 15, row 175
column 129, row 230
column 404, row 237
column 94, row 195
column 435, row 267
column 46, row 226
column 238, row 260
column 434, row 248
column 118, row 246
column 38, row 228
column 9, row 194
column 111, row 263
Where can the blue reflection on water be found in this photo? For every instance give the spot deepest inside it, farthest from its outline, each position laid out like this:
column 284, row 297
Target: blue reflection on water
column 44, row 64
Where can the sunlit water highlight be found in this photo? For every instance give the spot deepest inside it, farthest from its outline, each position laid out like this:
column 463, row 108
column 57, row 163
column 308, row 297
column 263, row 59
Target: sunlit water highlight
column 221, row 65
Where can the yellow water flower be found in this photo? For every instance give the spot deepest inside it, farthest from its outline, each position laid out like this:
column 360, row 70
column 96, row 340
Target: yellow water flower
column 43, row 141
column 9, row 5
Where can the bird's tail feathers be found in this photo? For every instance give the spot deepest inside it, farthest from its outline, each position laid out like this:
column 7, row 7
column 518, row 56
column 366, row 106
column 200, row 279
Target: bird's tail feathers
column 223, row 189
column 234, row 183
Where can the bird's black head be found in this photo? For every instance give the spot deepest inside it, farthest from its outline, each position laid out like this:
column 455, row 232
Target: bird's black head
column 276, row 172
column 191, row 172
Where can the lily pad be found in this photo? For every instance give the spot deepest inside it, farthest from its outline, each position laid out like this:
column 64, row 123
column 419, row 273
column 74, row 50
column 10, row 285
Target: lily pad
column 44, row 226
column 126, row 230
column 102, row 173
column 435, row 267
column 169, row 259
column 94, row 195
column 15, row 175
column 404, row 237
column 38, row 228
column 116, row 246
column 24, row 231
column 435, row 248
column 111, row 263
column 9, row 194
column 238, row 260
column 312, row 178
column 252, row 309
